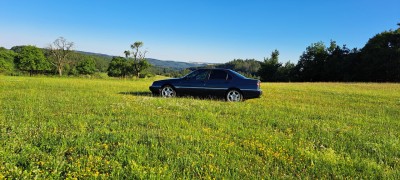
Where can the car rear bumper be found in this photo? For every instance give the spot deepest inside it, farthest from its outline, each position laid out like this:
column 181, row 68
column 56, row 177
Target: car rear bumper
column 248, row 94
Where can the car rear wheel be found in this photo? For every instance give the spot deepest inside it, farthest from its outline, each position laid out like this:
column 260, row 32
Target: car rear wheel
column 234, row 95
column 167, row 92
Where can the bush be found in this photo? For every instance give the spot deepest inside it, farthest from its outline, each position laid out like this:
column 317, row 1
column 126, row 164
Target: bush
column 146, row 75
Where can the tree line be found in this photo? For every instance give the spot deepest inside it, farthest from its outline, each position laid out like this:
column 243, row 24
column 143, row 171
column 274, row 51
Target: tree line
column 60, row 58
column 377, row 61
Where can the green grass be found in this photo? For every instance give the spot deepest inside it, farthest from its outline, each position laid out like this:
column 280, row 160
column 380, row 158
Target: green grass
column 85, row 128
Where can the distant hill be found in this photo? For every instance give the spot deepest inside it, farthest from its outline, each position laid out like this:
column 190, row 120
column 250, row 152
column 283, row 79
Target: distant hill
column 95, row 54
column 174, row 64
column 158, row 63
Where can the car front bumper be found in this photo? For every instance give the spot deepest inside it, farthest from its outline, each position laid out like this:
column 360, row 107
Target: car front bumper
column 155, row 89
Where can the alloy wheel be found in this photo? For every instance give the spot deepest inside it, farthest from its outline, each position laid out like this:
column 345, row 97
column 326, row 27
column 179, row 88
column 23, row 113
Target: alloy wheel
column 234, row 96
column 167, row 92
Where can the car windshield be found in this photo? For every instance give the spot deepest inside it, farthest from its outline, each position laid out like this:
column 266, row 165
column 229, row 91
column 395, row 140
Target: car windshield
column 191, row 74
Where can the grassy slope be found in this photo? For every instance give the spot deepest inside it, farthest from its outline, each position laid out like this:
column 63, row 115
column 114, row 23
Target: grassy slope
column 52, row 127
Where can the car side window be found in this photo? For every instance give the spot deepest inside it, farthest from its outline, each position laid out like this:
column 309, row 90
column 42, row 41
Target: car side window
column 229, row 77
column 202, row 75
column 218, row 75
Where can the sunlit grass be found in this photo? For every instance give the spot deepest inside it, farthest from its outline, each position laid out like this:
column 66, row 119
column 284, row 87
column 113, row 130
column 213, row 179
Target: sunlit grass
column 86, row 128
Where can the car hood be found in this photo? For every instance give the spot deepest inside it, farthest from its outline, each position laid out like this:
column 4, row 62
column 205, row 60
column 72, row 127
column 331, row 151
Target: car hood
column 171, row 80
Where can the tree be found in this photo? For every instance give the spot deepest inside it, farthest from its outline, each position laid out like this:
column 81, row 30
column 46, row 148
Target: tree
column 248, row 67
column 139, row 58
column 6, row 60
column 127, row 53
column 118, row 67
column 269, row 67
column 76, row 57
column 285, row 72
column 59, row 51
column 86, row 66
column 17, row 49
column 337, row 66
column 31, row 59
column 380, row 58
column 311, row 64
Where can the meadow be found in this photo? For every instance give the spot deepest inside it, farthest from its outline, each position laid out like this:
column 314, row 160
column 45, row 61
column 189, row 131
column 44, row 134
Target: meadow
column 56, row 128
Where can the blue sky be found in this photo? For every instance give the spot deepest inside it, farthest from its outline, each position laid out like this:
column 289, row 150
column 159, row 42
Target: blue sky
column 196, row 30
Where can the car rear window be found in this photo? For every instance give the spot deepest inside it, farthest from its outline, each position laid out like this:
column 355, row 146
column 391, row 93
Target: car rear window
column 239, row 75
column 218, row 75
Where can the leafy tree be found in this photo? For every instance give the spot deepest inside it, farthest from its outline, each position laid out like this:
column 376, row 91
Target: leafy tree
column 31, row 59
column 127, row 54
column 87, row 66
column 139, row 58
column 17, row 49
column 248, row 67
column 337, row 66
column 269, row 67
column 59, row 51
column 311, row 64
column 284, row 73
column 118, row 67
column 101, row 62
column 380, row 58
column 333, row 63
column 6, row 60
column 139, row 66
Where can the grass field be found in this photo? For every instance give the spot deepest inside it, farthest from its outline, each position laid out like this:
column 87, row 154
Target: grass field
column 85, row 128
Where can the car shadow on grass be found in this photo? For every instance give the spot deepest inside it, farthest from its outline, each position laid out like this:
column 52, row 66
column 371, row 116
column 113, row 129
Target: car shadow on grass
column 138, row 93
column 149, row 94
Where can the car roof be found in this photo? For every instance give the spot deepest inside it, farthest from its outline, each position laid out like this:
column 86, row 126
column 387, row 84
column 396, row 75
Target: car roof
column 232, row 72
column 212, row 69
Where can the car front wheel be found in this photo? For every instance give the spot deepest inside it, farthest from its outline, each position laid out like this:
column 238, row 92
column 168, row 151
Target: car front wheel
column 167, row 92
column 234, row 96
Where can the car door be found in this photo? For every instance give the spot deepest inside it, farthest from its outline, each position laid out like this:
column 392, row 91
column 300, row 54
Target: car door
column 194, row 83
column 217, row 83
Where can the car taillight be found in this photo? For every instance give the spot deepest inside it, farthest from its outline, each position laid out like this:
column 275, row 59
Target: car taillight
column 258, row 84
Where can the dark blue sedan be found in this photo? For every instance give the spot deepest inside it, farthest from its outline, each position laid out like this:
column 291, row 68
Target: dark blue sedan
column 209, row 82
